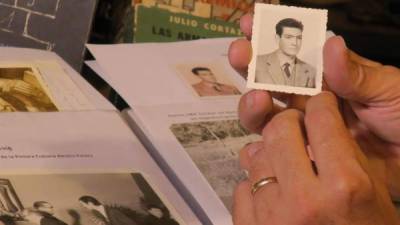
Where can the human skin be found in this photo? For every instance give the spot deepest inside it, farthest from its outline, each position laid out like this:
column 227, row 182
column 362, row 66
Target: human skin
column 343, row 192
column 290, row 41
column 206, row 76
column 369, row 98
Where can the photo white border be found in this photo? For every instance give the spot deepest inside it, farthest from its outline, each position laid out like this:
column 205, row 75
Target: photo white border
column 259, row 13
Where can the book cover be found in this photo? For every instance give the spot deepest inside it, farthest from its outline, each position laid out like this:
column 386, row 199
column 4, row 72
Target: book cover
column 154, row 24
column 61, row 26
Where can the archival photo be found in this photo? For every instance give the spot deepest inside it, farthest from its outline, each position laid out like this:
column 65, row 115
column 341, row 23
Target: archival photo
column 287, row 49
column 21, row 91
column 214, row 147
column 81, row 199
column 207, row 80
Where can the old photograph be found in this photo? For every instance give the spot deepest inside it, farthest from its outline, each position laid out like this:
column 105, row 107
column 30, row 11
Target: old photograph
column 207, row 80
column 287, row 47
column 21, row 91
column 214, row 148
column 84, row 199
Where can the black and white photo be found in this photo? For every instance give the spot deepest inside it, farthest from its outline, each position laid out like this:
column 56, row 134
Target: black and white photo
column 214, row 147
column 84, row 199
column 287, row 49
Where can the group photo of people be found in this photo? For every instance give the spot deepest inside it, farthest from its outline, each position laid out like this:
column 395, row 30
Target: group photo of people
column 80, row 199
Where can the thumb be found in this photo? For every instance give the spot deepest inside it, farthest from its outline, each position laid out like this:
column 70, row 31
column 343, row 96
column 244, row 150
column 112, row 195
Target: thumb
column 358, row 79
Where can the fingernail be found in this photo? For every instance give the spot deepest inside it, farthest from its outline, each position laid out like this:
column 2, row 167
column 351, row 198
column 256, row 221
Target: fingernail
column 250, row 100
column 248, row 143
column 343, row 41
column 252, row 150
column 246, row 173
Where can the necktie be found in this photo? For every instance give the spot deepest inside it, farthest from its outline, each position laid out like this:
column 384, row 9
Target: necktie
column 286, row 69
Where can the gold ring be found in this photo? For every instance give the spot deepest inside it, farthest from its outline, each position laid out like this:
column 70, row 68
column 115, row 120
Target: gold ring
column 261, row 183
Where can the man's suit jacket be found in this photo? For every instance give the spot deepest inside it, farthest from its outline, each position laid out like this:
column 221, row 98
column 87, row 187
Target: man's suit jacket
column 268, row 71
column 116, row 217
column 51, row 220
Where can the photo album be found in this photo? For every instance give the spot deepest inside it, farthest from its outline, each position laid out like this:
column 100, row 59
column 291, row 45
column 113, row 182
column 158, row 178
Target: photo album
column 65, row 151
column 68, row 156
column 183, row 98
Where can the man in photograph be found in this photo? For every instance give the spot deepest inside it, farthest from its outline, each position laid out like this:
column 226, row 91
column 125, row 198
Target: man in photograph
column 107, row 215
column 282, row 67
column 208, row 85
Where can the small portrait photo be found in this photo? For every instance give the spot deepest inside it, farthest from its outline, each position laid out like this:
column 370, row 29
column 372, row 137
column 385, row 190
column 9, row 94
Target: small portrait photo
column 22, row 91
column 287, row 47
column 207, row 80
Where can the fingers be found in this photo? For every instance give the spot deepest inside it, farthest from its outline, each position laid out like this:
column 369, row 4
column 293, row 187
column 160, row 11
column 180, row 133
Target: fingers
column 246, row 24
column 285, row 147
column 240, row 52
column 243, row 207
column 247, row 153
column 260, row 167
column 239, row 55
column 255, row 109
column 358, row 79
column 335, row 151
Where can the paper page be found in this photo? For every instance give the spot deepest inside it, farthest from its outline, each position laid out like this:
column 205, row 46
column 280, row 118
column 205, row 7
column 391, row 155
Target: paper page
column 61, row 157
column 200, row 144
column 163, row 73
column 97, row 69
column 84, row 95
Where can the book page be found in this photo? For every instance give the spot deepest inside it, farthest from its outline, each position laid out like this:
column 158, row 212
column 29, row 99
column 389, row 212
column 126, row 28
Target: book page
column 59, row 158
column 200, row 144
column 63, row 85
column 170, row 73
column 39, row 86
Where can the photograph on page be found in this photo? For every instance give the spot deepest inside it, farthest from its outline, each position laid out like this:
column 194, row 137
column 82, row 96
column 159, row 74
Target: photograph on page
column 81, row 198
column 287, row 45
column 207, row 80
column 214, row 147
column 21, row 90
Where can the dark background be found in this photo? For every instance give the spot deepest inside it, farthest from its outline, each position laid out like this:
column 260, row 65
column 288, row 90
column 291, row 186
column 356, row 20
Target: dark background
column 371, row 28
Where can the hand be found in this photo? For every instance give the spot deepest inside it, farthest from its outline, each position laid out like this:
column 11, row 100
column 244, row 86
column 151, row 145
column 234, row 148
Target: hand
column 344, row 192
column 371, row 102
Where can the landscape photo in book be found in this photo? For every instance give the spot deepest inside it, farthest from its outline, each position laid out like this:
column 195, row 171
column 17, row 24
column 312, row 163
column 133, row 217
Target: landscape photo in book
column 85, row 199
column 22, row 91
column 214, row 147
column 207, row 80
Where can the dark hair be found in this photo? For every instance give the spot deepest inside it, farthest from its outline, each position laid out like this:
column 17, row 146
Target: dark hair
column 288, row 22
column 86, row 199
column 40, row 204
column 197, row 69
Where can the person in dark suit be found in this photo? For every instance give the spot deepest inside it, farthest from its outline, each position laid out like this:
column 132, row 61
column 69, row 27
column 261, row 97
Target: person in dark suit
column 282, row 67
column 46, row 210
column 105, row 215
column 41, row 218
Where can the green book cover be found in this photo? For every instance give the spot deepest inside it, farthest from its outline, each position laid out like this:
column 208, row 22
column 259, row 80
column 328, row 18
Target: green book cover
column 154, row 24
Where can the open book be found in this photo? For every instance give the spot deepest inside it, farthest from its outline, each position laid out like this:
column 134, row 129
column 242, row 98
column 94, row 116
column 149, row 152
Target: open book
column 190, row 126
column 183, row 98
column 68, row 157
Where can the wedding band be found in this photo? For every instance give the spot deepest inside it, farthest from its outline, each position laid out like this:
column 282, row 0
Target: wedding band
column 264, row 181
